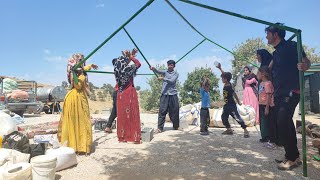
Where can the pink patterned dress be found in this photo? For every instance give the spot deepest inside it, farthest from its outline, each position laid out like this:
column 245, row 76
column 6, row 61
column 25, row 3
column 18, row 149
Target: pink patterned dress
column 250, row 98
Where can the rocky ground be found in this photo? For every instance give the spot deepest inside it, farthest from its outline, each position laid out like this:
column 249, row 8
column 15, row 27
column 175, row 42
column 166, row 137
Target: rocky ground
column 182, row 155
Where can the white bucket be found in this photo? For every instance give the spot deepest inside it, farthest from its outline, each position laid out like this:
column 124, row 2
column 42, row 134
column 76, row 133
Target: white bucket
column 17, row 172
column 43, row 167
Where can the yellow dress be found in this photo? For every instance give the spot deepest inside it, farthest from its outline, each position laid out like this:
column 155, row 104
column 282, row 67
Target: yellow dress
column 75, row 125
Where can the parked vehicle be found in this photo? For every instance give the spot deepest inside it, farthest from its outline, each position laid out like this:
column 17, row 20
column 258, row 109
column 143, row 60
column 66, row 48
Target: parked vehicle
column 28, row 103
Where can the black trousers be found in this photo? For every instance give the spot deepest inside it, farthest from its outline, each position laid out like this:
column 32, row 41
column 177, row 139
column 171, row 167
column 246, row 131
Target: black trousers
column 270, row 122
column 285, row 107
column 204, row 119
column 231, row 109
column 169, row 103
column 113, row 114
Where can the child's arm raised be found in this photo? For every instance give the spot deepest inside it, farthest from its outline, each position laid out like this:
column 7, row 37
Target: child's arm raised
column 219, row 67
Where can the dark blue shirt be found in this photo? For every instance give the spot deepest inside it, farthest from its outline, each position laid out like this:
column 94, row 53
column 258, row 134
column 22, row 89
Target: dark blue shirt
column 284, row 69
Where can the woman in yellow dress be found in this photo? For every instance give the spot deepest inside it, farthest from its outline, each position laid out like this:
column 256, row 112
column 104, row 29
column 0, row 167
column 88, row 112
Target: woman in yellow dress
column 75, row 125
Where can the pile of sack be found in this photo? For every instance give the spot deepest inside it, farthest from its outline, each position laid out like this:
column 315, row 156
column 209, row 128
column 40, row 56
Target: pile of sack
column 246, row 112
column 9, row 85
column 190, row 115
column 20, row 159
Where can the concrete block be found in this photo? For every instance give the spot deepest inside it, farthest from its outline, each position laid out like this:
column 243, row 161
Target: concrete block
column 147, row 134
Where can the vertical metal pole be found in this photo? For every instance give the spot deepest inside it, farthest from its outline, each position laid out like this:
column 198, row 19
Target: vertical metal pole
column 301, row 79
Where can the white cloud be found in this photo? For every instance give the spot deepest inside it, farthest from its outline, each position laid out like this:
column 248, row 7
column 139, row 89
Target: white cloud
column 55, row 59
column 107, row 68
column 101, row 5
column 47, row 51
column 217, row 50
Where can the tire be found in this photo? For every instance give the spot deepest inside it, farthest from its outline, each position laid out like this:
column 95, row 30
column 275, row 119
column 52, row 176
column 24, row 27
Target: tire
column 20, row 113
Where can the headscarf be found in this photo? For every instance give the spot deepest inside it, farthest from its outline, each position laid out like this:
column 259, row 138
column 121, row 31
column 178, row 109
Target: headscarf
column 266, row 57
column 249, row 77
column 75, row 59
column 123, row 72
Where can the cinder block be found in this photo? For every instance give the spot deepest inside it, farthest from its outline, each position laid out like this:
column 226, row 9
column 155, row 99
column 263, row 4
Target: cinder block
column 147, row 134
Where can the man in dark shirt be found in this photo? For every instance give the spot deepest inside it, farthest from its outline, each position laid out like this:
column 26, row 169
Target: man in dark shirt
column 285, row 71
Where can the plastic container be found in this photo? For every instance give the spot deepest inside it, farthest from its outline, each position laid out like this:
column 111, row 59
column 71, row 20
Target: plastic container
column 43, row 167
column 17, row 172
column 216, row 63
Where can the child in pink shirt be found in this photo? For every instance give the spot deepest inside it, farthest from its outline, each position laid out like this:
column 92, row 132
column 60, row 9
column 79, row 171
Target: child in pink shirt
column 266, row 106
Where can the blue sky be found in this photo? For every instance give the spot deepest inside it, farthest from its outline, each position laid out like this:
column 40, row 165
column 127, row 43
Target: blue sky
column 37, row 37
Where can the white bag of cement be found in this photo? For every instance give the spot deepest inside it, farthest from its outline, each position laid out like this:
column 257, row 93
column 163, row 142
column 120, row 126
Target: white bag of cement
column 66, row 157
column 11, row 156
column 247, row 113
column 7, row 124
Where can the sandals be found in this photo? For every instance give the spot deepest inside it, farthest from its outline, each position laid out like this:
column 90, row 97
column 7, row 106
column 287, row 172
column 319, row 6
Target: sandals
column 108, row 130
column 157, row 131
column 246, row 134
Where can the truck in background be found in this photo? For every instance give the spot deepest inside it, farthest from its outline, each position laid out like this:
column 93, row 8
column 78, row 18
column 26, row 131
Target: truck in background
column 21, row 106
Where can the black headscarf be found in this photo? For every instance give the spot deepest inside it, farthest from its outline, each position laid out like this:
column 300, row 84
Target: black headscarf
column 266, row 57
column 123, row 72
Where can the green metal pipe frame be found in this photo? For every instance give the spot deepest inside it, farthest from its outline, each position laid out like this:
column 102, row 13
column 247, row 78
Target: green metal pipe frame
column 240, row 16
column 191, row 50
column 292, row 37
column 242, row 58
column 301, row 74
column 299, row 49
column 105, row 72
column 114, row 33
column 138, row 49
column 314, row 67
column 301, row 80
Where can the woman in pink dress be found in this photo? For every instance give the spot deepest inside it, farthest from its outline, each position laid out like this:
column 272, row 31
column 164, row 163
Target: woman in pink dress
column 250, row 92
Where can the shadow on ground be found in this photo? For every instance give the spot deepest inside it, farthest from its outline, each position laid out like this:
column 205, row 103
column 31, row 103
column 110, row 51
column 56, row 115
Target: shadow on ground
column 187, row 155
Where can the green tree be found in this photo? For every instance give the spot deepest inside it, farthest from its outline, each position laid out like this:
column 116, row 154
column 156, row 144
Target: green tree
column 93, row 97
column 191, row 87
column 311, row 54
column 108, row 88
column 92, row 87
column 247, row 50
column 100, row 96
column 64, row 84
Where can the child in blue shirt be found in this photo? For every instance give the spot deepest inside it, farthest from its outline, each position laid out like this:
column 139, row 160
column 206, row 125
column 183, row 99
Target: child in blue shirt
column 205, row 105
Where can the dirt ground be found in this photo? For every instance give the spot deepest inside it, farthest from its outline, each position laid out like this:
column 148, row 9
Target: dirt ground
column 183, row 155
